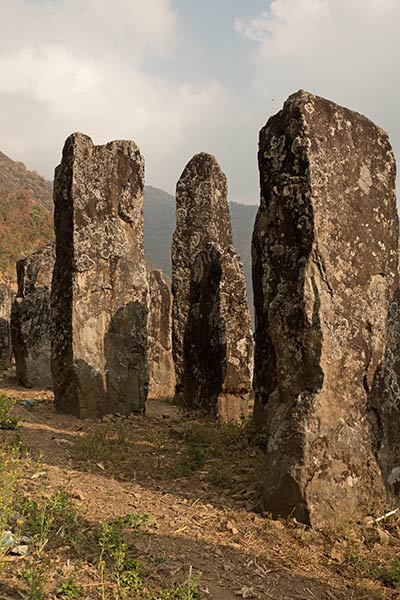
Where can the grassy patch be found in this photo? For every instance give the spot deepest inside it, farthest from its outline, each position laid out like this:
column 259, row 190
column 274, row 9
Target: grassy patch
column 387, row 573
column 7, row 419
column 52, row 522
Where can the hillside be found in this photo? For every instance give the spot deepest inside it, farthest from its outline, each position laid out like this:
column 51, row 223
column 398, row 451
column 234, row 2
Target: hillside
column 26, row 221
column 14, row 177
column 159, row 225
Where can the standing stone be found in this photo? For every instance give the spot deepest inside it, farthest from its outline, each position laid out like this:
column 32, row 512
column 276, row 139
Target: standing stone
column 159, row 335
column 6, row 299
column 30, row 318
column 218, row 344
column 202, row 217
column 99, row 289
column 325, row 276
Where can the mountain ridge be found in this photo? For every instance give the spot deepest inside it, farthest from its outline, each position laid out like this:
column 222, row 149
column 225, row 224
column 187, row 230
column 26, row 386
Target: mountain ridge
column 26, row 221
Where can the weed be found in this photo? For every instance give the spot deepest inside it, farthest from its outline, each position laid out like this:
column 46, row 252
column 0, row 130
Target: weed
column 114, row 564
column 189, row 590
column 69, row 589
column 102, row 445
column 7, row 419
column 193, row 460
column 220, row 475
column 33, row 577
column 9, row 476
column 387, row 574
column 53, row 519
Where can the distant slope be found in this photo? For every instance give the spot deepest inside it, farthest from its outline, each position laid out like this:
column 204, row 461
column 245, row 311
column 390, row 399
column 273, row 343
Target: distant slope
column 14, row 177
column 159, row 225
column 26, row 222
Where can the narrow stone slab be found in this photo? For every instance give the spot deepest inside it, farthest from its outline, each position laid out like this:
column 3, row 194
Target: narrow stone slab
column 218, row 344
column 202, row 217
column 30, row 318
column 100, row 291
column 6, row 298
column 325, row 276
column 159, row 339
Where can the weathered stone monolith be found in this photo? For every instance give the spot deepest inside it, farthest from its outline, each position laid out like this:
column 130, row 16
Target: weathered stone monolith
column 6, row 298
column 159, row 335
column 99, row 290
column 202, row 217
column 30, row 318
column 218, row 345
column 325, row 278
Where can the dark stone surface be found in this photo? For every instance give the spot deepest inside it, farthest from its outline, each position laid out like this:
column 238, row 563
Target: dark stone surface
column 99, row 290
column 30, row 318
column 6, row 299
column 159, row 335
column 218, row 345
column 325, row 277
column 202, row 217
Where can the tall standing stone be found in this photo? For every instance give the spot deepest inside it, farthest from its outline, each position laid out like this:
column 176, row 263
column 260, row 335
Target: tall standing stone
column 30, row 318
column 6, row 299
column 202, row 217
column 325, row 277
column 159, row 335
column 99, row 289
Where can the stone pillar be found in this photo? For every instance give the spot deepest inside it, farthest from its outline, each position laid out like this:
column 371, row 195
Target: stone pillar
column 159, row 336
column 218, row 345
column 30, row 318
column 202, row 217
column 99, row 291
column 325, row 276
column 6, row 299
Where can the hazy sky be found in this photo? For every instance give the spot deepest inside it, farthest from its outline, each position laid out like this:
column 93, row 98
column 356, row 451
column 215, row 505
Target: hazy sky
column 184, row 76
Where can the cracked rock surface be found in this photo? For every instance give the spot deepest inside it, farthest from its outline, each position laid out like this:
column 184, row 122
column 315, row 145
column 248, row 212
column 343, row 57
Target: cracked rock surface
column 325, row 279
column 213, row 356
column 100, row 291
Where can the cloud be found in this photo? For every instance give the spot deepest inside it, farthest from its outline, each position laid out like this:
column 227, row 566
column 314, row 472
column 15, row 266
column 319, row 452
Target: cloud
column 76, row 65
column 346, row 50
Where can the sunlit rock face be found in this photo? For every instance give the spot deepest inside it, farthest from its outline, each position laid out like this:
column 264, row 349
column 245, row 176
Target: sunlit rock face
column 99, row 296
column 6, row 299
column 159, row 335
column 325, row 252
column 30, row 318
column 202, row 276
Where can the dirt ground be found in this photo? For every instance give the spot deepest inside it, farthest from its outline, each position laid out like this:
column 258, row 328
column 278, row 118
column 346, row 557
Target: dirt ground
column 204, row 506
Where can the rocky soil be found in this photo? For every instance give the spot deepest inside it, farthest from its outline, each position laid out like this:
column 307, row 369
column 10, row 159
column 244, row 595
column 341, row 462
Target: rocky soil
column 188, row 486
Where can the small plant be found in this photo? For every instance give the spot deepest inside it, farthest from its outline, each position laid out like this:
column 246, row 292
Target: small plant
column 9, row 476
column 69, row 589
column 114, row 563
column 387, row 574
column 7, row 419
column 33, row 577
column 220, row 475
column 193, row 460
column 53, row 519
column 189, row 590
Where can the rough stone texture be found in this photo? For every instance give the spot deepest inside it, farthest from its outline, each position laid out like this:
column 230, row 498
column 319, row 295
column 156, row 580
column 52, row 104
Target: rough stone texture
column 325, row 276
column 159, row 335
column 6, row 299
column 218, row 344
column 202, row 217
column 99, row 289
column 30, row 318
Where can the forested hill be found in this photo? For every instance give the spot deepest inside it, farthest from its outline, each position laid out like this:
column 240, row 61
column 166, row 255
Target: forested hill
column 159, row 225
column 26, row 220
